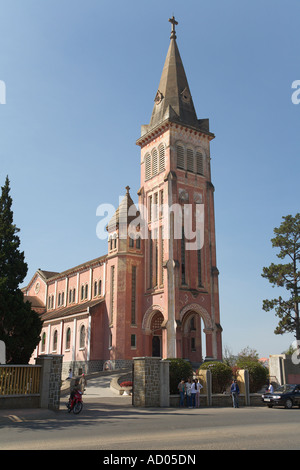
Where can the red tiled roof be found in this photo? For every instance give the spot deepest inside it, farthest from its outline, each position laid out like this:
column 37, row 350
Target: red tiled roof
column 70, row 310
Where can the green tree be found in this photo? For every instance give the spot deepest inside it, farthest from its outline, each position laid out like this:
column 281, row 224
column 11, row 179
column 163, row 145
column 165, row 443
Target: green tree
column 248, row 354
column 20, row 326
column 286, row 275
column 221, row 375
column 178, row 369
column 248, row 358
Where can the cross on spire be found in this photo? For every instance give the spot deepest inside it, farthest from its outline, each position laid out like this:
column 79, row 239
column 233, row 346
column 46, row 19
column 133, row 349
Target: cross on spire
column 174, row 22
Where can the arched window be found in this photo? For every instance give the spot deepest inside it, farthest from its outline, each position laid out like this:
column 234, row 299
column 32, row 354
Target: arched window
column 154, row 162
column 161, row 151
column 43, row 342
column 180, row 156
column 82, row 337
column 82, row 292
column 199, row 163
column 95, row 288
column 54, row 346
column 192, row 323
column 68, row 338
column 138, row 242
column 190, row 159
column 147, row 166
column 99, row 288
column 86, row 291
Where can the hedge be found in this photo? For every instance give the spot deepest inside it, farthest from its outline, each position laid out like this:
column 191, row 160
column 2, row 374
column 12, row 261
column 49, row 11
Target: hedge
column 221, row 375
column 178, row 369
column 258, row 374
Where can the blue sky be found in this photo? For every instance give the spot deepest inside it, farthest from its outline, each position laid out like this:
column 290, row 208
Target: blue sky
column 80, row 80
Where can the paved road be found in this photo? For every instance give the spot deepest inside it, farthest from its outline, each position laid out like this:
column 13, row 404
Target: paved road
column 111, row 423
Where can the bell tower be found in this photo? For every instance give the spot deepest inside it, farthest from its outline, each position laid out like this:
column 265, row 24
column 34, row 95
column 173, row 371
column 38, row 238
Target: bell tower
column 180, row 271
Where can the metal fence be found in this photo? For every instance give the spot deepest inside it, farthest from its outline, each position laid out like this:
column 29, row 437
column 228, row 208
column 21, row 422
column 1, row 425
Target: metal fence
column 20, row 380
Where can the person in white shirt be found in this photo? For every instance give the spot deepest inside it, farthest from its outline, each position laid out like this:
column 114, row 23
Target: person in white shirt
column 188, row 388
column 195, row 391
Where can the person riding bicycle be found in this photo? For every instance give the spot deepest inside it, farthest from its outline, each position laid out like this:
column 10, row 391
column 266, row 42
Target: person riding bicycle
column 76, row 387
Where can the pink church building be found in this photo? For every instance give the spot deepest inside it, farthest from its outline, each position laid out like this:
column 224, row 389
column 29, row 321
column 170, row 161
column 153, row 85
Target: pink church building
column 155, row 292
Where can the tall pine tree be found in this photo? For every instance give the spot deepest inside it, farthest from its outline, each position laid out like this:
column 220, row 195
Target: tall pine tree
column 20, row 326
column 287, row 276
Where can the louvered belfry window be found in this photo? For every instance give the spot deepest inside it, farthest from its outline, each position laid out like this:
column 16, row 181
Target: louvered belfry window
column 199, row 160
column 180, row 157
column 190, row 160
column 154, row 162
column 147, row 167
column 161, row 150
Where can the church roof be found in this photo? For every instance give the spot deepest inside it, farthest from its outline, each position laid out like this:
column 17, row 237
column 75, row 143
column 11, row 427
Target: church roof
column 173, row 99
column 47, row 274
column 35, row 301
column 70, row 310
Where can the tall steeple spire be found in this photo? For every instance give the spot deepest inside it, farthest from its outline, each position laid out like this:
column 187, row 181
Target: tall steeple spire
column 173, row 99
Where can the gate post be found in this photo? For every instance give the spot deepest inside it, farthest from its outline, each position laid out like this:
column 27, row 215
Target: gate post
column 50, row 380
column 243, row 381
column 150, row 382
column 164, row 383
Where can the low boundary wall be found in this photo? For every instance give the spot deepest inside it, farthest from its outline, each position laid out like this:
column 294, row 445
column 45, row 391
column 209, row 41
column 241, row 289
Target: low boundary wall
column 32, row 386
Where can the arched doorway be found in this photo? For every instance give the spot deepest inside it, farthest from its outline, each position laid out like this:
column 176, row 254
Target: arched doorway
column 156, row 331
column 192, row 346
column 156, row 346
column 197, row 333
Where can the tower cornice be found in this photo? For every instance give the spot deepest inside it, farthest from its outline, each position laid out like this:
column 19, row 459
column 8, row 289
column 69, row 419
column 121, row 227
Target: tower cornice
column 167, row 125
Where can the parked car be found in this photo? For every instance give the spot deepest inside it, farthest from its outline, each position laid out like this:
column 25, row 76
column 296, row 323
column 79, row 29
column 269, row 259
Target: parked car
column 287, row 395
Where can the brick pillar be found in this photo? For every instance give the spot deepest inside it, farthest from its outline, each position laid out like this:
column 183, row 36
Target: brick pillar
column 164, row 384
column 150, row 382
column 50, row 380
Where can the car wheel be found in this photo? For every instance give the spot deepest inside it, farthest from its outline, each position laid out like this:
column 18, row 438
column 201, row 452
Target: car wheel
column 289, row 403
column 270, row 406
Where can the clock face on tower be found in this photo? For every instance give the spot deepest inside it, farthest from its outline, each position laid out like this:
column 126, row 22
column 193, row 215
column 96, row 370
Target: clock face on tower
column 158, row 97
column 186, row 96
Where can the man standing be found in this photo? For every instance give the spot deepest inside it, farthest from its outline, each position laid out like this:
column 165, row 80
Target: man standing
column 82, row 382
column 181, row 388
column 235, row 391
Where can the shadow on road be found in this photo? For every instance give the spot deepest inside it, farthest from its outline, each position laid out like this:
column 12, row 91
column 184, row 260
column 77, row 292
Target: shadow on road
column 106, row 411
